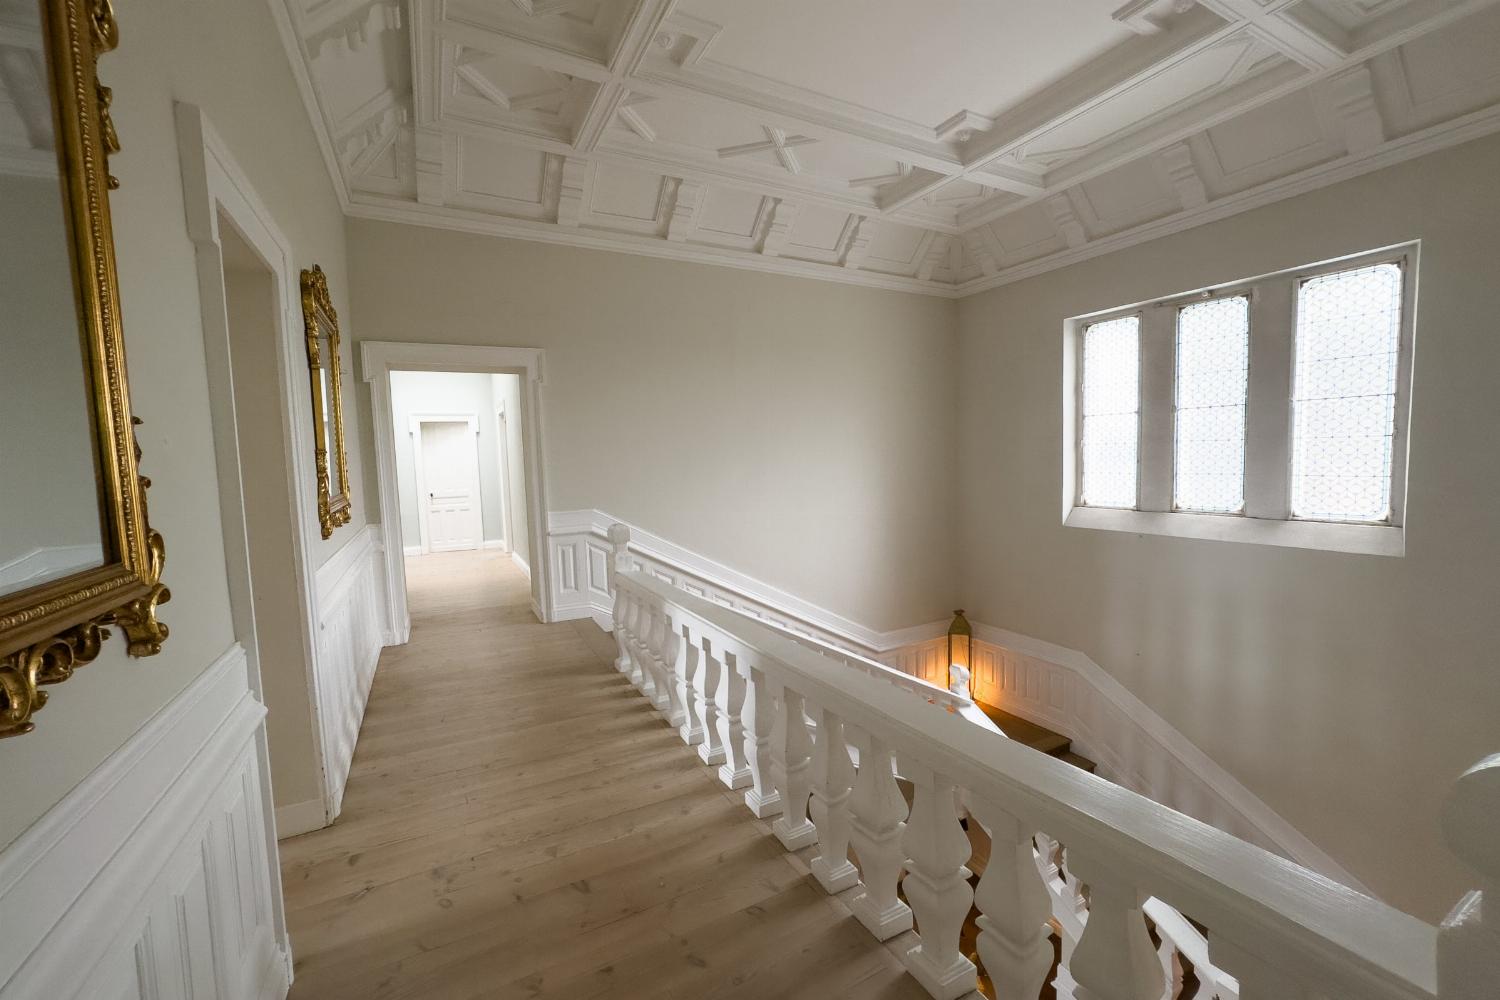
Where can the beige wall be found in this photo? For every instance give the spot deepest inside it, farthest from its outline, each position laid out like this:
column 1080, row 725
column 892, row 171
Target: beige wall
column 507, row 389
column 227, row 58
column 799, row 431
column 1346, row 690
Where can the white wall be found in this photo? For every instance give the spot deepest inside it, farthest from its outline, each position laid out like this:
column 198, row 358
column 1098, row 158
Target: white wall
column 447, row 393
column 204, row 53
column 1346, row 690
column 799, row 431
column 507, row 390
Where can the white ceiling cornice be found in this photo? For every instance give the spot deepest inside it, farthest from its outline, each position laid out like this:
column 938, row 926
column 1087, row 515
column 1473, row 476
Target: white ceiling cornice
column 687, row 129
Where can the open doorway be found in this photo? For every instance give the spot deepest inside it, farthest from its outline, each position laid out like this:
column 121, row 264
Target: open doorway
column 459, row 463
column 474, row 406
column 272, row 530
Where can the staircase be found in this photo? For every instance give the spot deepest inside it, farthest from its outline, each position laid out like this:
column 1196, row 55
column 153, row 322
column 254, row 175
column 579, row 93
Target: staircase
column 1037, row 737
column 1081, row 885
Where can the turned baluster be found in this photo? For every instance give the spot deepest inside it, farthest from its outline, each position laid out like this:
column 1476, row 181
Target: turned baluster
column 1468, row 950
column 758, row 718
column 1114, row 960
column 635, row 618
column 791, row 770
column 1014, row 905
column 692, row 717
column 730, row 701
column 642, row 673
column 877, row 820
column 711, row 750
column 623, row 606
column 937, row 884
column 1171, row 967
column 832, row 785
column 661, row 667
column 620, row 562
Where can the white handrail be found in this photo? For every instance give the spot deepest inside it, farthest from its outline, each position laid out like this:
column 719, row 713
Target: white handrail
column 1271, row 917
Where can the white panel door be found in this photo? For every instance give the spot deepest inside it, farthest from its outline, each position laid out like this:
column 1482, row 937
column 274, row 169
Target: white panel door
column 450, row 486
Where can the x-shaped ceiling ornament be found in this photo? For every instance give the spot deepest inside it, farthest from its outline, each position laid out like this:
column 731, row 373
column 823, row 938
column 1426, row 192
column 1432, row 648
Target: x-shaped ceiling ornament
column 777, row 140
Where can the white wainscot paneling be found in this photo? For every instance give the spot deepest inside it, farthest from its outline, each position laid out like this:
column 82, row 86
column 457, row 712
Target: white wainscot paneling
column 154, row 877
column 351, row 604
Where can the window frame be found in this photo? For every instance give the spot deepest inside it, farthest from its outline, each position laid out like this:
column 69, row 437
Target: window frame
column 1266, row 515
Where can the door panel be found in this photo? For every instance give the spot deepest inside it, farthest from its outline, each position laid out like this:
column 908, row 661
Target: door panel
column 450, row 487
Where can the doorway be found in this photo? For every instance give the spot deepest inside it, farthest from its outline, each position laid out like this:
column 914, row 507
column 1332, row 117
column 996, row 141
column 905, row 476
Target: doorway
column 448, row 384
column 456, row 465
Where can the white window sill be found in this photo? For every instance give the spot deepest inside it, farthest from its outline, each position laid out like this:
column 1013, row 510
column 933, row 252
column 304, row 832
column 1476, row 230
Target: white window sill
column 1368, row 539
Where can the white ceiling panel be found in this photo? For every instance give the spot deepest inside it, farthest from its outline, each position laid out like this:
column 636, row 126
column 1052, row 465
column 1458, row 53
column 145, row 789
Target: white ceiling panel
column 941, row 147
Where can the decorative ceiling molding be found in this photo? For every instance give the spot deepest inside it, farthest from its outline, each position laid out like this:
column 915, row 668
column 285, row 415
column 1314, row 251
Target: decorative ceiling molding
column 644, row 126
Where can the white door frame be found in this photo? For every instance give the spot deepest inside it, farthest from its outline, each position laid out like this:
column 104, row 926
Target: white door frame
column 213, row 184
column 377, row 360
column 414, row 428
column 502, row 452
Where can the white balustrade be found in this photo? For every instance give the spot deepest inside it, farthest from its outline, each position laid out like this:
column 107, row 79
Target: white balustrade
column 879, row 819
column 1100, row 863
column 937, row 883
column 705, row 696
column 832, row 785
column 729, row 701
column 692, row 719
column 791, row 770
column 1014, row 905
column 759, row 720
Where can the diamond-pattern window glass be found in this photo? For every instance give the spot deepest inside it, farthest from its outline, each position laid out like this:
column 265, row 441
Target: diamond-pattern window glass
column 1111, row 411
column 1344, row 394
column 1213, row 364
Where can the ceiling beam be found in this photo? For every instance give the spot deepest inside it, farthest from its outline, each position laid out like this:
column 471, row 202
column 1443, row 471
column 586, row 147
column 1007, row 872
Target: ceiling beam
column 1274, row 24
column 631, row 45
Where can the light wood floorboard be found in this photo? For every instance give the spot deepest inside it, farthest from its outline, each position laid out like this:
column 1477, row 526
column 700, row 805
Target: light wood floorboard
column 518, row 823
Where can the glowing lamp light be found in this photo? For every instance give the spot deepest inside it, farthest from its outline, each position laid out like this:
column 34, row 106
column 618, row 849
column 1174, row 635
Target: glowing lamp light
column 961, row 650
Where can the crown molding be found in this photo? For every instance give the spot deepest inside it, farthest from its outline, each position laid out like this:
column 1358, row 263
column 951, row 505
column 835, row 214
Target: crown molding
column 1430, row 140
column 457, row 220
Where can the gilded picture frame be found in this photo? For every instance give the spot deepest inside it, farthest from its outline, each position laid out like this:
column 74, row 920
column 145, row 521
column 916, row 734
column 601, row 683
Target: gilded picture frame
column 325, row 374
column 49, row 630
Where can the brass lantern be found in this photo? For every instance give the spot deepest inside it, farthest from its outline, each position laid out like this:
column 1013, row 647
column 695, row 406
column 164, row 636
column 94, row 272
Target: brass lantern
column 961, row 649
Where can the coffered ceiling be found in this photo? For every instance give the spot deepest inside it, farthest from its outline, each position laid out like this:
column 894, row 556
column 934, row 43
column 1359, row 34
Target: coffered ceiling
column 942, row 147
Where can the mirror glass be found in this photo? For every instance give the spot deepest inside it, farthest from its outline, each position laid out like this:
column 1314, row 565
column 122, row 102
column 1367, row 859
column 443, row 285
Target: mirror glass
column 51, row 521
column 325, row 393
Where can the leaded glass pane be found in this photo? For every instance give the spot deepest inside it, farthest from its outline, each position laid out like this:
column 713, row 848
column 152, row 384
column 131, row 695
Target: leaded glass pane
column 1111, row 411
column 1213, row 363
column 1344, row 394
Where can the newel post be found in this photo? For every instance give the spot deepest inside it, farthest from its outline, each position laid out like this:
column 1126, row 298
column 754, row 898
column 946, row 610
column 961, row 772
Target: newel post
column 1468, row 950
column 620, row 561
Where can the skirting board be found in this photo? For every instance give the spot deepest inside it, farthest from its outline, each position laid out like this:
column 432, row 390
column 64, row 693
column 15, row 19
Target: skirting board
column 299, row 818
column 158, row 867
column 521, row 564
column 1048, row 684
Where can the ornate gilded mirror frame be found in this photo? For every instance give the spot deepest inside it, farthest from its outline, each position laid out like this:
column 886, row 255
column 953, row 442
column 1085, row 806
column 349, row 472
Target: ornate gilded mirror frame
column 321, row 325
column 49, row 630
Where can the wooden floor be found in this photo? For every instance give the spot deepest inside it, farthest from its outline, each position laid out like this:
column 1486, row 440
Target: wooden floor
column 517, row 823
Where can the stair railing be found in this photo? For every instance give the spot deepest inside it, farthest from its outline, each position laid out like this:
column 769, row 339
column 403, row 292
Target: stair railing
column 1280, row 930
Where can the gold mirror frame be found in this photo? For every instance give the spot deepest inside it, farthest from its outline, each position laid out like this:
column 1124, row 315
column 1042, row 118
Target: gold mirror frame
column 49, row 630
column 317, row 312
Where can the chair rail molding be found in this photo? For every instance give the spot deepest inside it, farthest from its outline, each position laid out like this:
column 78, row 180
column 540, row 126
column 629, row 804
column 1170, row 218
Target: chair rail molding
column 1046, row 683
column 377, row 360
column 155, row 869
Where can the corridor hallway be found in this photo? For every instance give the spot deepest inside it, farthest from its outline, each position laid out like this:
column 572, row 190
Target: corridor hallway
column 518, row 823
